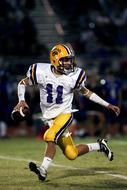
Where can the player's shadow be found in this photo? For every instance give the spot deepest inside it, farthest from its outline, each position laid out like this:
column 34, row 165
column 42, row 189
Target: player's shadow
column 105, row 184
column 84, row 172
column 101, row 183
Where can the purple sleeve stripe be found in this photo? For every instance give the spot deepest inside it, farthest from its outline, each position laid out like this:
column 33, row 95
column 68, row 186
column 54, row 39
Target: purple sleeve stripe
column 79, row 77
column 81, row 80
column 31, row 75
column 35, row 78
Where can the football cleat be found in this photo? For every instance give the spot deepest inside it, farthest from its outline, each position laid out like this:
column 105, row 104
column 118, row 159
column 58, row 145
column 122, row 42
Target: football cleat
column 41, row 172
column 105, row 149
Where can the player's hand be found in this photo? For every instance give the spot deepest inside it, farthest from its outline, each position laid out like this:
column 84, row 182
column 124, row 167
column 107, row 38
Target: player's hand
column 115, row 109
column 22, row 104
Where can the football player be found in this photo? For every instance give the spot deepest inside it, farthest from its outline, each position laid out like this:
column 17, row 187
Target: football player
column 57, row 82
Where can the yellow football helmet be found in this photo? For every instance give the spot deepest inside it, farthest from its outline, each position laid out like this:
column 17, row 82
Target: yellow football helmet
column 62, row 58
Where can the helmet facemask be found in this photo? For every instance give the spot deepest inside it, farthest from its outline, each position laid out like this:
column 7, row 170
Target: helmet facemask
column 66, row 65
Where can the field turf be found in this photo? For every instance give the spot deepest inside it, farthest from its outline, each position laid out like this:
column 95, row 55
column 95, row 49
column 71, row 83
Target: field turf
column 90, row 172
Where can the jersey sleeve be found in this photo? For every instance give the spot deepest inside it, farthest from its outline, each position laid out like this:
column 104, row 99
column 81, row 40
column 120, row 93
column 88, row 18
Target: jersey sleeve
column 32, row 74
column 80, row 79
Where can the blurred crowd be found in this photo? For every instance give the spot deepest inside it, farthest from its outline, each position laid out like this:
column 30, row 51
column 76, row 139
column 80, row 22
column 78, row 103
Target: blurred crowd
column 98, row 27
column 98, row 33
column 18, row 34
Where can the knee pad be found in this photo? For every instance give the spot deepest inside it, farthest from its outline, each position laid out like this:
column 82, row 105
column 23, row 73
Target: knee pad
column 49, row 136
column 71, row 152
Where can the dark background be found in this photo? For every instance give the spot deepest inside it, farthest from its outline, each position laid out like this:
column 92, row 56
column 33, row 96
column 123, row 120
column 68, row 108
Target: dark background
column 97, row 30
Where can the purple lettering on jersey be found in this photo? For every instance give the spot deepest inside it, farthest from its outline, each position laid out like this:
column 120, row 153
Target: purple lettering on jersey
column 49, row 92
column 59, row 94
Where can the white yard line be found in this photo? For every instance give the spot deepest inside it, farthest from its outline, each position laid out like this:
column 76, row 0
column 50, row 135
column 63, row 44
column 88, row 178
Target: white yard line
column 113, row 175
column 16, row 159
column 30, row 160
column 119, row 176
column 62, row 166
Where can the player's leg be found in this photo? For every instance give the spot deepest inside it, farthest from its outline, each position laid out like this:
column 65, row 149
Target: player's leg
column 41, row 170
column 67, row 146
column 85, row 148
column 100, row 145
column 72, row 152
column 51, row 136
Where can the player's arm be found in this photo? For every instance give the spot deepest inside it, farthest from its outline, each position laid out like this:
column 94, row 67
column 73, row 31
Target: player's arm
column 21, row 94
column 95, row 98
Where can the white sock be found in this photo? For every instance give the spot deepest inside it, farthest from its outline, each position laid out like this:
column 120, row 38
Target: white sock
column 93, row 146
column 46, row 163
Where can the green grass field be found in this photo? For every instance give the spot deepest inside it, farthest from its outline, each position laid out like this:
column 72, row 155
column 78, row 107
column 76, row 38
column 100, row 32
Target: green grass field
column 84, row 173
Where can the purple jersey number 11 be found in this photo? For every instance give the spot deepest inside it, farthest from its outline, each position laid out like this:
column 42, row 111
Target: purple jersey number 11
column 59, row 92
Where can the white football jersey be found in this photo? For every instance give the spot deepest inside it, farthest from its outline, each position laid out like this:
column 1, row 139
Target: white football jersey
column 56, row 91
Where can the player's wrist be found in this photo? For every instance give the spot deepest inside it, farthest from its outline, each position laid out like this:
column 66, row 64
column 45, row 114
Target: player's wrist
column 109, row 106
column 22, row 101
